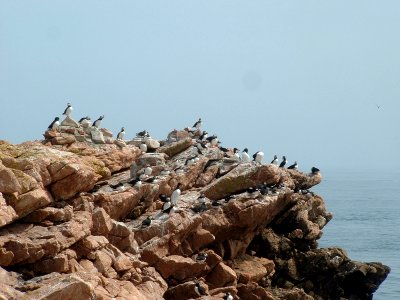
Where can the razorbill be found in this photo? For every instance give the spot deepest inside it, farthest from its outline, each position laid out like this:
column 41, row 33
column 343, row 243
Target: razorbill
column 143, row 133
column 136, row 182
column 121, row 134
column 236, row 153
column 97, row 123
column 228, row 296
column 55, row 124
column 175, row 195
column 258, row 156
column 199, row 290
column 167, row 206
column 119, row 186
column 146, row 222
column 314, row 170
column 163, row 198
column 84, row 120
column 275, row 160
column 203, row 136
column 294, row 166
column 201, row 257
column 198, row 124
column 68, row 110
column 283, row 163
column 245, row 155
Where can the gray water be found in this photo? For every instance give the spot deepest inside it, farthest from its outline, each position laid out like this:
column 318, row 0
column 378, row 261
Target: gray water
column 366, row 220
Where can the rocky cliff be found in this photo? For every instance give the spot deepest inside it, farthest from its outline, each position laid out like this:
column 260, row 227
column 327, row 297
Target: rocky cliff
column 76, row 224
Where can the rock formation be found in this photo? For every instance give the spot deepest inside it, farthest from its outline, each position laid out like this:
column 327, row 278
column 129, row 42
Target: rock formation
column 71, row 224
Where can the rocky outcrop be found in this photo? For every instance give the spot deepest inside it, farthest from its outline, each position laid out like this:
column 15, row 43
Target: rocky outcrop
column 71, row 219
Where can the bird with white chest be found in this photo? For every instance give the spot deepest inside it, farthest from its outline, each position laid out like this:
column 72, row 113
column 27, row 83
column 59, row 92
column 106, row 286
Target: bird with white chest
column 55, row 124
column 121, row 134
column 245, row 155
column 176, row 195
column 258, row 156
column 67, row 112
column 97, row 123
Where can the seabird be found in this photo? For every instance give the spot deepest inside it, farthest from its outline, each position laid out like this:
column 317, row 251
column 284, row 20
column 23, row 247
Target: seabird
column 236, row 153
column 294, row 166
column 68, row 110
column 119, row 186
column 245, row 155
column 163, row 198
column 84, row 119
column 143, row 147
column 121, row 134
column 283, row 163
column 167, row 206
column 275, row 160
column 198, row 124
column 146, row 222
column 152, row 179
column 98, row 122
column 175, row 195
column 199, row 290
column 200, row 207
column 216, row 203
column 258, row 156
column 223, row 149
column 202, row 198
column 135, row 182
column 203, row 136
column 228, row 296
column 213, row 140
column 201, row 257
column 314, row 170
column 55, row 124
column 143, row 133
column 230, row 197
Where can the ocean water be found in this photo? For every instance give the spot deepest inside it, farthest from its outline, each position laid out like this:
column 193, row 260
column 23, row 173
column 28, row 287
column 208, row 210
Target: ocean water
column 366, row 220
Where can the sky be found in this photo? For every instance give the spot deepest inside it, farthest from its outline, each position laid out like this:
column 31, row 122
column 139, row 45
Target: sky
column 294, row 78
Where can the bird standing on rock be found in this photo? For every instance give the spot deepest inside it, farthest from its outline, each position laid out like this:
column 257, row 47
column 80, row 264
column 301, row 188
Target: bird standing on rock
column 228, row 296
column 175, row 195
column 294, row 166
column 146, row 222
column 245, row 155
column 199, row 290
column 198, row 124
column 148, row 170
column 55, row 124
column 121, row 134
column 283, row 163
column 97, row 123
column 275, row 160
column 84, row 121
column 143, row 133
column 68, row 110
column 167, row 206
column 258, row 156
column 314, row 170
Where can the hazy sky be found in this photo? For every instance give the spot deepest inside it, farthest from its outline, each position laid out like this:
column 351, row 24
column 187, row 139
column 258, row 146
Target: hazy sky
column 299, row 78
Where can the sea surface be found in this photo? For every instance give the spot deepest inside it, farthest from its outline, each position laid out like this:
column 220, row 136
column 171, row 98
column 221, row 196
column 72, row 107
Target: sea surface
column 366, row 220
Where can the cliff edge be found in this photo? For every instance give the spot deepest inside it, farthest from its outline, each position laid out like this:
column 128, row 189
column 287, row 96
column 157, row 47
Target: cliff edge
column 85, row 216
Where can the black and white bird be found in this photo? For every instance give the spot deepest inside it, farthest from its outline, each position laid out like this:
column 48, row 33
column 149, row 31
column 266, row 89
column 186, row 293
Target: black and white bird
column 143, row 133
column 200, row 207
column 121, row 134
column 119, row 186
column 236, row 153
column 228, row 296
column 84, row 120
column 203, row 136
column 146, row 222
column 213, row 140
column 167, row 206
column 294, row 166
column 175, row 195
column 97, row 123
column 201, row 257
column 275, row 160
column 199, row 290
column 136, row 182
column 258, row 156
column 283, row 163
column 314, row 170
column 245, row 155
column 55, row 124
column 202, row 198
column 68, row 110
column 198, row 124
